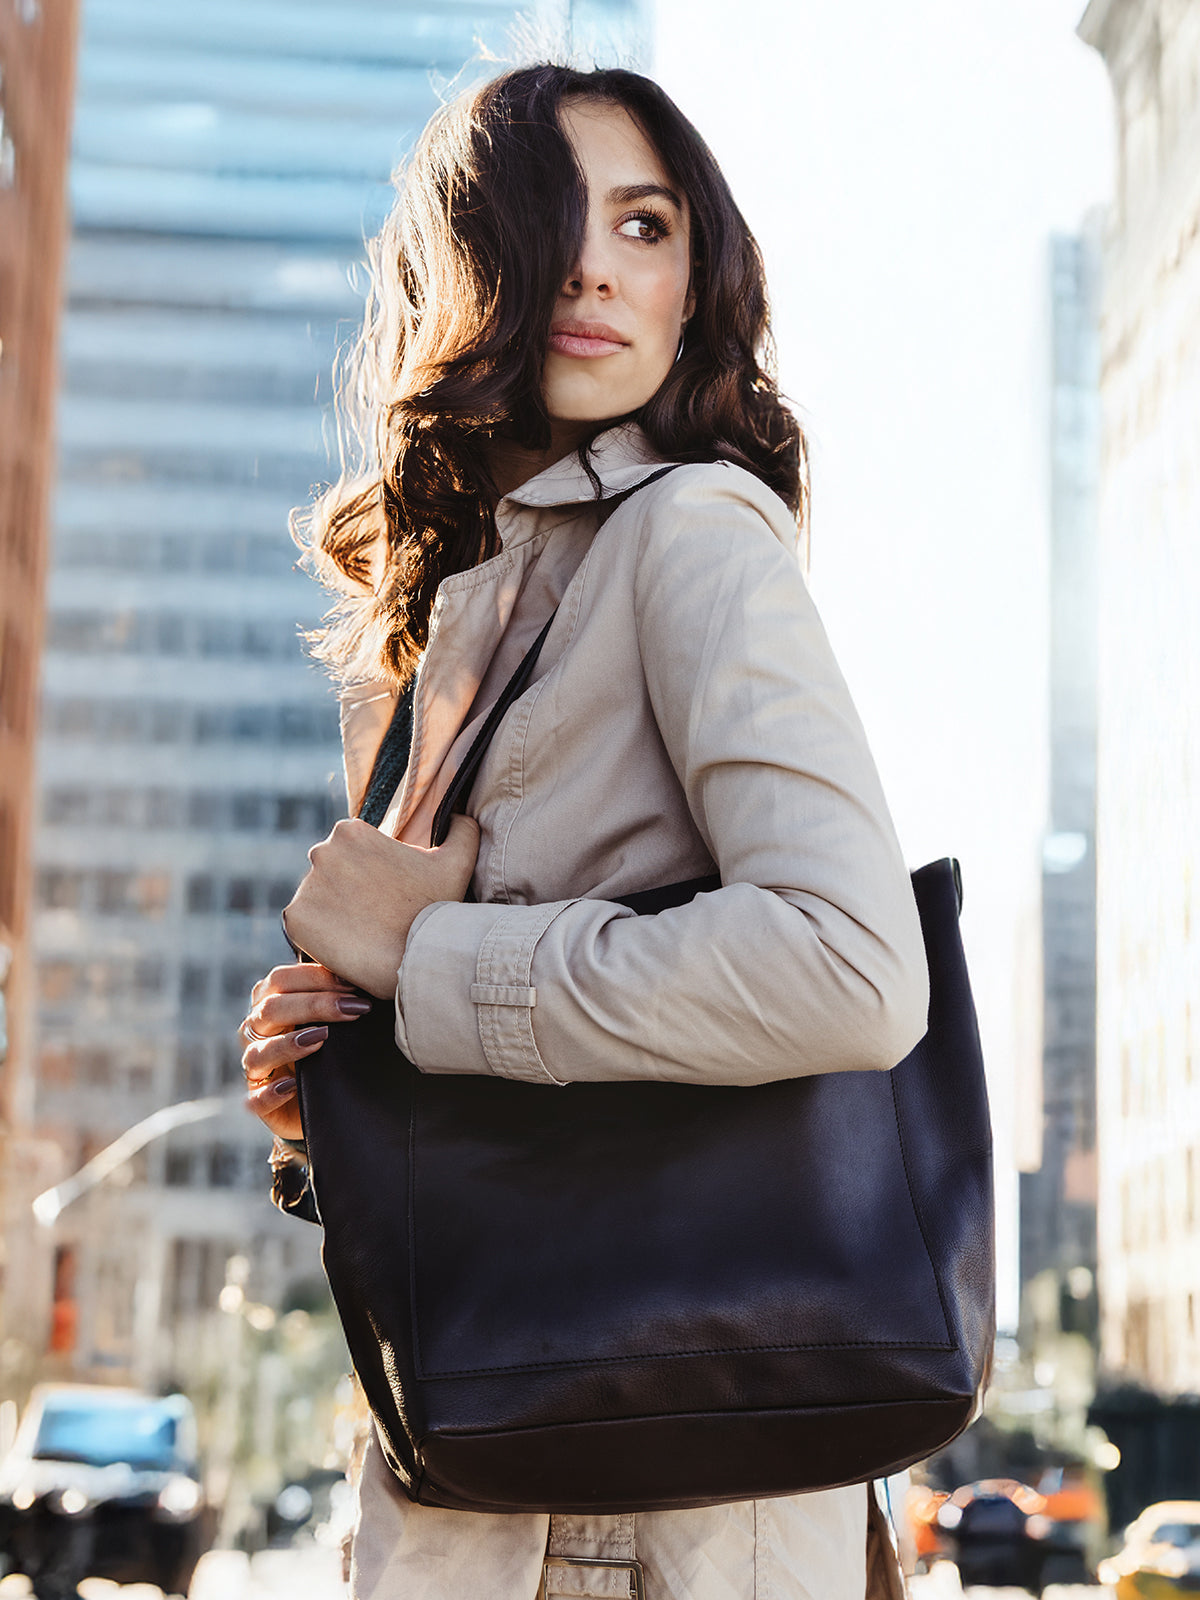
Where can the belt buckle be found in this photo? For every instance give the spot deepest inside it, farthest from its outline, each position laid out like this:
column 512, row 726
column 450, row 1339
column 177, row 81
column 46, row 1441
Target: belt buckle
column 633, row 1568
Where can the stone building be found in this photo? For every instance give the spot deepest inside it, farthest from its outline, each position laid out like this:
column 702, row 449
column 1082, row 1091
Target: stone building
column 37, row 50
column 1148, row 791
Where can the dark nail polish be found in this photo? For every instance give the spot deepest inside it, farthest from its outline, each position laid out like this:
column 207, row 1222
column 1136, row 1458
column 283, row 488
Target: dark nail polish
column 281, row 1088
column 308, row 1036
column 354, row 1008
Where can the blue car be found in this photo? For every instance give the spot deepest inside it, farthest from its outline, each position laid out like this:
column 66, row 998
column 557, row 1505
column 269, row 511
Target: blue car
column 102, row 1483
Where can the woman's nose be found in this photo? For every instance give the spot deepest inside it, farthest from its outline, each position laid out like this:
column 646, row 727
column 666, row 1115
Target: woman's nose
column 592, row 272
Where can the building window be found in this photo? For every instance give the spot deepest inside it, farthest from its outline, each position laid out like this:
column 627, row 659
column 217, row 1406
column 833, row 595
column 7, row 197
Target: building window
column 190, row 1071
column 177, row 1173
column 126, row 721
column 59, row 890
column 203, row 810
column 162, row 808
column 201, row 893
column 56, row 1066
column 65, row 806
column 223, row 1166
column 117, row 808
column 230, row 1063
column 57, row 981
column 166, row 724
column 247, row 812
column 114, row 892
column 237, row 981
column 153, row 892
column 193, row 984
column 279, row 893
column 216, row 637
column 240, row 895
column 64, row 1314
column 171, row 636
column 148, row 978
column 97, row 1068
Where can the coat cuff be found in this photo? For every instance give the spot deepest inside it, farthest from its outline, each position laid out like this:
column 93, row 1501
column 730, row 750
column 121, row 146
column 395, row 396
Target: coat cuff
column 465, row 996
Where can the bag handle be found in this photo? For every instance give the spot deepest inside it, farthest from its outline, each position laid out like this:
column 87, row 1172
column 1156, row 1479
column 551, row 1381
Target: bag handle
column 460, row 784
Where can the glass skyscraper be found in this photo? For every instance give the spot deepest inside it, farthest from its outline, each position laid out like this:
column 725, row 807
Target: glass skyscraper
column 228, row 159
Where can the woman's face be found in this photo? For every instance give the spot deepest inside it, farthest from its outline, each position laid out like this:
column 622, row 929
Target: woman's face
column 617, row 324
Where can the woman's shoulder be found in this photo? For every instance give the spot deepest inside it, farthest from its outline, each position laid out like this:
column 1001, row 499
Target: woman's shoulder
column 698, row 500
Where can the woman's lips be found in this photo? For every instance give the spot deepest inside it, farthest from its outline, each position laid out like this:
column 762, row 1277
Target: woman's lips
column 584, row 341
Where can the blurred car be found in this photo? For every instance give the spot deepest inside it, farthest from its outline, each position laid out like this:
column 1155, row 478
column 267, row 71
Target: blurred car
column 996, row 1531
column 921, row 1507
column 1160, row 1556
column 103, row 1483
column 306, row 1503
column 1075, row 1507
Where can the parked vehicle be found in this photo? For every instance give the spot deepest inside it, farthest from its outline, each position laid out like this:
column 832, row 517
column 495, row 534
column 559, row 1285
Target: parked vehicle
column 1160, row 1559
column 1075, row 1508
column 921, row 1507
column 996, row 1531
column 103, row 1483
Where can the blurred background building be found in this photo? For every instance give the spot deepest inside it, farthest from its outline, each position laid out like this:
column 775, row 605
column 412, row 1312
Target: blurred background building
column 1148, row 1019
column 1148, row 782
column 37, row 54
column 1058, row 1194
column 228, row 159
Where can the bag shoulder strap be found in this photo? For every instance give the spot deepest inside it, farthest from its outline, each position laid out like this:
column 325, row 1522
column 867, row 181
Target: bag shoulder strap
column 460, row 785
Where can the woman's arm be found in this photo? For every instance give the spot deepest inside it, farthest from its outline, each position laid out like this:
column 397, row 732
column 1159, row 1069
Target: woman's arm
column 810, row 958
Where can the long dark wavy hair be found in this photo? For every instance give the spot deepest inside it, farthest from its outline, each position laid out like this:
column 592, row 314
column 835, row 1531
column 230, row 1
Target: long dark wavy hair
column 465, row 275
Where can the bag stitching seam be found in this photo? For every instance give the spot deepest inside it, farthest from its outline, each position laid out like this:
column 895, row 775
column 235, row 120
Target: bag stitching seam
column 681, row 1355
column 953, row 1343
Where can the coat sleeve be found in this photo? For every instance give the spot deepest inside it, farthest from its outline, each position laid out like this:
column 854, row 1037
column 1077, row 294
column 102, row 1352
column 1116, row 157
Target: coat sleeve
column 809, row 958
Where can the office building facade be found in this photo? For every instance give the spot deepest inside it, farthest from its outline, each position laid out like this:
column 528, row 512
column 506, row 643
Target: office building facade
column 1148, row 790
column 1058, row 1199
column 228, row 160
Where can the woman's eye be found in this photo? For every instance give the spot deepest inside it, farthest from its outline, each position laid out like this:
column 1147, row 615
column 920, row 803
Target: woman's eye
column 645, row 225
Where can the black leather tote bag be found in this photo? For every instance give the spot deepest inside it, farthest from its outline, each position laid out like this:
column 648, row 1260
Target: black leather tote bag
column 636, row 1296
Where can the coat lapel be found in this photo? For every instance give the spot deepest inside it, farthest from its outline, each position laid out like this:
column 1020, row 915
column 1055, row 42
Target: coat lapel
column 470, row 613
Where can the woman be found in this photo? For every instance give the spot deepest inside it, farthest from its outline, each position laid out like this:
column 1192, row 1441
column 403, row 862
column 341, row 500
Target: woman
column 566, row 298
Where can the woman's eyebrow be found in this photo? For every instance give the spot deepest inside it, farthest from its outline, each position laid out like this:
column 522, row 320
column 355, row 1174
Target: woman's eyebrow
column 644, row 191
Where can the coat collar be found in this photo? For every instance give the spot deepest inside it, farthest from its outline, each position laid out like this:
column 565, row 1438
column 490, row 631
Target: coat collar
column 618, row 457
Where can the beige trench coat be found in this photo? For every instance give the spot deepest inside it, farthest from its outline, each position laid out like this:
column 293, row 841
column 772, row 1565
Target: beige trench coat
column 686, row 714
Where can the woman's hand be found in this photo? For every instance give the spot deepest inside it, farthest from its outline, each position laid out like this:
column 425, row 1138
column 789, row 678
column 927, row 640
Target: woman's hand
column 354, row 908
column 290, row 1010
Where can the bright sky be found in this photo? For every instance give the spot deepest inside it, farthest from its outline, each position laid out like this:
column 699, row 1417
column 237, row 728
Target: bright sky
column 902, row 167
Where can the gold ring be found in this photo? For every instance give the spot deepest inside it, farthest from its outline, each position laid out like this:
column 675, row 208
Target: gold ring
column 248, row 1030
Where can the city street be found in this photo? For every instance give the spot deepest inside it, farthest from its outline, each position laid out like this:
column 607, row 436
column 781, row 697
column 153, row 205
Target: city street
column 305, row 1573
column 312, row 1573
column 942, row 1584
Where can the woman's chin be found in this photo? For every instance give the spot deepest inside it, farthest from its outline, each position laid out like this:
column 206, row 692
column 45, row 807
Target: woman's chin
column 584, row 399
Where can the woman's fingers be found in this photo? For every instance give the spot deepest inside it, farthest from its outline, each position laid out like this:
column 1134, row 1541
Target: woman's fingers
column 276, row 1106
column 270, row 1096
column 260, row 1060
column 275, row 1013
column 295, row 977
column 292, row 1008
